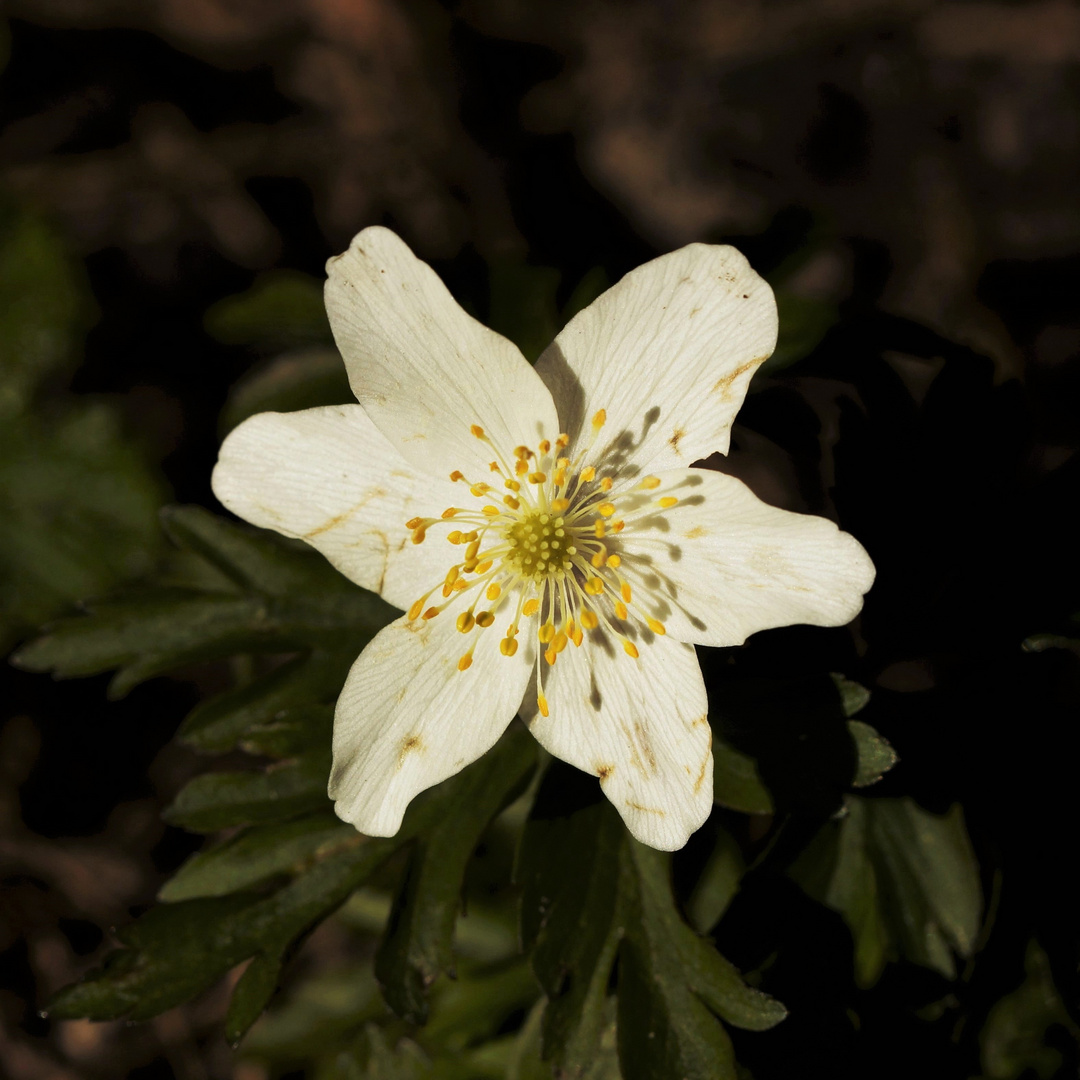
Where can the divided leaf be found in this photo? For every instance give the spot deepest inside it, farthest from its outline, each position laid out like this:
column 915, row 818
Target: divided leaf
column 904, row 880
column 417, row 946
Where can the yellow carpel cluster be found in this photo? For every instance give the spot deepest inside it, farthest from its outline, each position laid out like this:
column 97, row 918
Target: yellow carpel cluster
column 551, row 548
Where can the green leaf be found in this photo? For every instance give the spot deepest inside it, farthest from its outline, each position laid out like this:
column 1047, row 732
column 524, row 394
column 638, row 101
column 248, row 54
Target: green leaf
column 874, row 755
column 672, row 982
column 417, row 947
column 287, row 598
column 904, row 880
column 522, row 305
column 219, row 800
column 252, row 993
column 78, row 510
column 263, row 712
column 282, row 309
column 175, row 951
column 854, row 697
column 736, row 782
column 568, row 870
column 253, row 856
column 717, row 885
column 302, row 379
column 45, row 308
column 1013, row 1038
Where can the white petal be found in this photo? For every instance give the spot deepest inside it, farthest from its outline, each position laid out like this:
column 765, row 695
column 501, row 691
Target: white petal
column 424, row 369
column 668, row 352
column 407, row 718
column 721, row 564
column 328, row 476
column 640, row 725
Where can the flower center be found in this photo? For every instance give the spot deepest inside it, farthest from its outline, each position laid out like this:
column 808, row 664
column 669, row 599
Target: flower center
column 547, row 543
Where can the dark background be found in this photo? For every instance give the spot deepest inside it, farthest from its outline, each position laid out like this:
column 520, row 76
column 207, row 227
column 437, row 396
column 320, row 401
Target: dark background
column 910, row 167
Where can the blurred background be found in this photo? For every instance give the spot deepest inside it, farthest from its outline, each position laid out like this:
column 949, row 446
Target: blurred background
column 174, row 174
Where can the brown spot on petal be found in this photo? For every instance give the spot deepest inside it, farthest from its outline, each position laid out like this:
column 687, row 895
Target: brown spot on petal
column 724, row 383
column 604, row 771
column 676, row 437
column 701, row 775
column 338, row 519
column 646, row 809
column 410, row 744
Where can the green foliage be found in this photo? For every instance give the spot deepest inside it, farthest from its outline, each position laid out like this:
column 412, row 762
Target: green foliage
column 904, row 880
column 77, row 500
column 736, row 782
column 1013, row 1040
column 44, row 308
column 282, row 309
column 590, row 895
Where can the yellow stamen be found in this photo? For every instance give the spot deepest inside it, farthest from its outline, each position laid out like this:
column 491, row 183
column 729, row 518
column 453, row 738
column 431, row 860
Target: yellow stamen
column 589, row 619
column 588, row 474
column 546, row 633
column 479, row 489
column 471, row 550
column 606, row 484
column 485, row 619
column 449, row 512
column 614, row 561
column 625, row 590
column 511, row 502
column 620, row 610
column 484, row 567
column 560, row 505
column 431, row 613
column 477, row 430
column 521, row 466
column 594, row 586
column 416, row 609
column 559, row 642
column 542, row 704
column 617, row 526
column 545, row 446
column 460, row 584
column 630, row 649
column 465, row 662
column 607, row 509
column 418, row 536
column 599, row 528
column 522, row 453
column 451, row 576
column 493, row 591
column 454, row 537
column 576, row 637
column 457, row 475
column 668, row 501
column 492, row 511
column 414, row 523
column 513, row 485
column 531, row 607
column 599, row 419
column 537, row 477
column 465, row 622
column 562, row 441
column 656, row 626
column 551, row 656
column 650, row 482
column 508, row 646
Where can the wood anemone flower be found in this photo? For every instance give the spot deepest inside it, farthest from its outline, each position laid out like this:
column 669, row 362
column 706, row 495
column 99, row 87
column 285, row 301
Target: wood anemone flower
column 554, row 554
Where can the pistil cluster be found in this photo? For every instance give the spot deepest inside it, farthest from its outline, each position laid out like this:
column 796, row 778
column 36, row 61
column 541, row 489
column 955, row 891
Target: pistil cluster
column 544, row 541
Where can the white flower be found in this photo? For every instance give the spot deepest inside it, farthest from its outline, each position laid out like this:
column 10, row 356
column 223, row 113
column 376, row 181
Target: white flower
column 554, row 554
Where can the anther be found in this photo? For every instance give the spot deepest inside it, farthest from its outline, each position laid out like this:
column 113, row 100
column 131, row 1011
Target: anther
column 465, row 662
column 625, row 591
column 449, row 512
column 542, row 705
column 620, row 610
column 559, row 642
column 650, row 482
column 599, row 419
column 614, row 561
column 630, row 649
column 599, row 528
column 477, row 430
column 418, row 536
column 550, row 655
column 589, row 619
column 510, row 501
column 454, row 537
column 472, row 549
column 531, row 607
column 668, row 501
column 416, row 609
column 451, row 576
column 562, row 441
column 414, row 523
column 607, row 509
column 513, row 485
column 479, row 489
column 493, row 591
column 594, row 586
column 465, row 622
column 457, row 475
column 588, row 474
column 606, row 484
column 484, row 619
column 521, row 466
column 559, row 505
column 545, row 446
column 656, row 626
column 484, row 567
column 537, row 477
column 431, row 613
column 508, row 646
column 546, row 633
